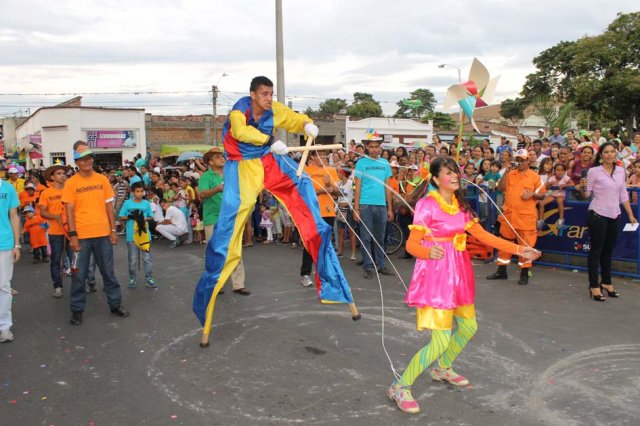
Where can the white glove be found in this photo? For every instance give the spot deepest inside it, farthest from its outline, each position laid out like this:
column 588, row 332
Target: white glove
column 311, row 130
column 278, row 147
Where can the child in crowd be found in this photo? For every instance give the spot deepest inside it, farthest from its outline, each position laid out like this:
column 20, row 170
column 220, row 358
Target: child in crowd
column 277, row 221
column 286, row 224
column 35, row 226
column 196, row 222
column 634, row 180
column 546, row 169
column 560, row 179
column 266, row 223
column 168, row 193
column 138, row 210
column 469, row 173
column 158, row 214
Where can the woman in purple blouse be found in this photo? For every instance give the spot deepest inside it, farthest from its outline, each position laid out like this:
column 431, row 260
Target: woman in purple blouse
column 606, row 183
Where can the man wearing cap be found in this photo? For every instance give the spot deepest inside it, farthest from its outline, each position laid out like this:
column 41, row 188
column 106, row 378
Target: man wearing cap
column 28, row 196
column 15, row 180
column 522, row 189
column 540, row 134
column 210, row 188
column 88, row 199
column 52, row 210
column 372, row 207
column 9, row 254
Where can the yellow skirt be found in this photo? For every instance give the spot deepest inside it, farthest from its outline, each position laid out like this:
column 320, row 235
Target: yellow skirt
column 442, row 319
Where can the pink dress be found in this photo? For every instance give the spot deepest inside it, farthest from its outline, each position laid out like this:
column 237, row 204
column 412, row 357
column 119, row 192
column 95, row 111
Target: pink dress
column 449, row 282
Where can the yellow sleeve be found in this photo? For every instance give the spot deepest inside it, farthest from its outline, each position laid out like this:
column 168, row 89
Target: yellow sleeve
column 285, row 118
column 243, row 132
column 475, row 229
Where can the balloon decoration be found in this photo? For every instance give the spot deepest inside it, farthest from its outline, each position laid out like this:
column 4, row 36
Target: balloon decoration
column 476, row 92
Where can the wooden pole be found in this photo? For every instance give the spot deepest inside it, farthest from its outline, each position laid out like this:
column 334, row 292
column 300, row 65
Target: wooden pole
column 305, row 154
column 355, row 315
column 314, row 148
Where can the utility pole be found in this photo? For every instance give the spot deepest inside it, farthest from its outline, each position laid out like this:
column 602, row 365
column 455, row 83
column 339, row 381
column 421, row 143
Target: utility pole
column 282, row 134
column 214, row 97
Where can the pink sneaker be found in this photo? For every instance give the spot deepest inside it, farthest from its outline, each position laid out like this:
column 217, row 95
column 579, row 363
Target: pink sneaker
column 402, row 396
column 448, row 375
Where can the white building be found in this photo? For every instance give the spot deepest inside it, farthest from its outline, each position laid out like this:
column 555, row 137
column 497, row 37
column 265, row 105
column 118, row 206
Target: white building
column 394, row 131
column 114, row 134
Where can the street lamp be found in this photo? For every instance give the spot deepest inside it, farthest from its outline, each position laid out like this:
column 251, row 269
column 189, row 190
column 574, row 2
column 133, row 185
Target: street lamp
column 453, row 66
column 214, row 96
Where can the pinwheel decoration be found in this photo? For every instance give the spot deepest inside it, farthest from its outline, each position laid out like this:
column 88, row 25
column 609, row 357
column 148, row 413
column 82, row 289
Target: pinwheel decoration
column 372, row 134
column 475, row 93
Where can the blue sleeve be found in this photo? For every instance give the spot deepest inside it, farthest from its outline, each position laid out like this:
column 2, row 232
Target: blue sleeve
column 148, row 212
column 388, row 171
column 358, row 169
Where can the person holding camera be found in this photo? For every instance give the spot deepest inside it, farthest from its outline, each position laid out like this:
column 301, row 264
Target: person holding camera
column 522, row 189
column 606, row 183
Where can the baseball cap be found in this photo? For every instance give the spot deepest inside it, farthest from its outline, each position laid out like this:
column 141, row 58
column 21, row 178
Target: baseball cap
column 541, row 130
column 82, row 151
column 28, row 209
column 521, row 153
column 29, row 186
column 412, row 167
column 13, row 170
column 156, row 169
column 394, row 163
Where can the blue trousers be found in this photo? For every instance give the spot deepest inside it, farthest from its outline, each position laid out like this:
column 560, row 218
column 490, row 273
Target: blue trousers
column 133, row 250
column 373, row 225
column 102, row 251
column 59, row 249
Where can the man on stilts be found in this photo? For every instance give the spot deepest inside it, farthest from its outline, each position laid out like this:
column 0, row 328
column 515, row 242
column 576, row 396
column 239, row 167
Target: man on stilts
column 255, row 161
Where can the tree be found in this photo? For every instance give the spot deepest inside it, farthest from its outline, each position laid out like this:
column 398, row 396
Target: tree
column 441, row 121
column 332, row 106
column 513, row 109
column 364, row 106
column 600, row 74
column 554, row 115
column 426, row 104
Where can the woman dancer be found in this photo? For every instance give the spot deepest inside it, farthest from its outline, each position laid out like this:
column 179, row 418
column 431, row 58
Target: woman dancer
column 443, row 285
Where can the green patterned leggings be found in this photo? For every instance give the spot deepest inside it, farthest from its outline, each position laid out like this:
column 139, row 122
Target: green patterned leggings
column 443, row 347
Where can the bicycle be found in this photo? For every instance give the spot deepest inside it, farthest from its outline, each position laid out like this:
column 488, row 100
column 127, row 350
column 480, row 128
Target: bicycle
column 393, row 237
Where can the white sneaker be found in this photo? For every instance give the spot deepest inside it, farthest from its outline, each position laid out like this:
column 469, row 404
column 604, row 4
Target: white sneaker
column 57, row 292
column 6, row 336
column 540, row 224
column 67, row 272
column 306, row 281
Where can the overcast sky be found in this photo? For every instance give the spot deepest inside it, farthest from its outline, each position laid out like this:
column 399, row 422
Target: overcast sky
column 332, row 48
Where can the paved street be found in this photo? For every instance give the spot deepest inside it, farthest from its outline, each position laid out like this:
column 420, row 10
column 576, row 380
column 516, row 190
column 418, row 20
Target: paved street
column 544, row 354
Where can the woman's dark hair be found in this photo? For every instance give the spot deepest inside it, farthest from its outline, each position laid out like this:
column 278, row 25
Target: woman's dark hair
column 404, row 151
column 598, row 159
column 543, row 163
column 481, row 168
column 434, row 168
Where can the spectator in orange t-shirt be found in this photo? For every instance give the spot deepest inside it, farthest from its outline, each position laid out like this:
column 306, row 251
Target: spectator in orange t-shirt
column 28, row 197
column 325, row 182
column 52, row 210
column 88, row 198
column 522, row 189
column 34, row 225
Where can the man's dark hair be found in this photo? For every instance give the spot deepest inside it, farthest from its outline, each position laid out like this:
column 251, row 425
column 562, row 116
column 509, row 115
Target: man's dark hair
column 77, row 144
column 137, row 185
column 613, row 132
column 536, row 142
column 163, row 201
column 260, row 81
column 133, row 169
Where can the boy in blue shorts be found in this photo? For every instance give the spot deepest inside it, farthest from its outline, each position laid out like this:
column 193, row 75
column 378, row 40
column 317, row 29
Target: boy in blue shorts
column 138, row 210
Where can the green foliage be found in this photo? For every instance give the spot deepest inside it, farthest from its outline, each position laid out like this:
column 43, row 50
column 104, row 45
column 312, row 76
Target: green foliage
column 513, row 109
column 333, row 106
column 427, row 100
column 553, row 114
column 600, row 74
column 441, row 121
column 364, row 106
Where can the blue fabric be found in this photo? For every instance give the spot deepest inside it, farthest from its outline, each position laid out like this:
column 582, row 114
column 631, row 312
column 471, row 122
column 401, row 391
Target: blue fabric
column 129, row 206
column 57, row 242
column 132, row 251
column 8, row 200
column 373, row 226
column 373, row 174
column 503, row 148
column 102, row 250
column 146, row 179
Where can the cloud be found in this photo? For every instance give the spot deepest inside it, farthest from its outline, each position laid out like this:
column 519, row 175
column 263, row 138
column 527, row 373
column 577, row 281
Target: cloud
column 332, row 48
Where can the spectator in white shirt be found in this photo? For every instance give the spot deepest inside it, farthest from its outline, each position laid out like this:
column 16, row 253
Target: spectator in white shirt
column 174, row 224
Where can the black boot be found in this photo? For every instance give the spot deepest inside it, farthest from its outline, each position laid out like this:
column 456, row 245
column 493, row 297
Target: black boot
column 500, row 274
column 524, row 276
